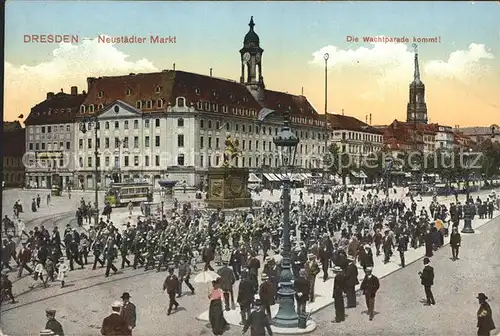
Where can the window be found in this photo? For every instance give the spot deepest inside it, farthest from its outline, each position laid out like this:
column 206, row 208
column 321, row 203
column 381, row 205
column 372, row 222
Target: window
column 146, row 123
column 217, row 125
column 136, row 161
column 89, row 161
column 37, row 147
column 201, row 161
column 117, row 125
column 106, row 125
column 207, row 106
column 80, row 162
column 237, row 127
column 136, row 142
column 157, row 160
column 209, row 142
column 146, row 160
column 149, row 104
column 201, row 142
column 250, row 129
column 125, row 124
column 117, row 143
column 250, row 162
column 138, row 104
column 136, row 124
column 31, row 146
column 180, row 160
column 126, row 161
column 157, row 122
column 100, row 106
column 80, row 144
column 98, row 162
column 199, row 105
column 43, row 146
column 197, row 91
column 98, row 143
column 157, row 141
column 181, row 102
column 250, row 144
column 125, row 142
column 43, row 129
column 106, row 161
column 243, row 144
column 217, row 143
column 243, row 128
column 228, row 127
column 202, row 123
column 243, row 162
column 101, row 94
column 180, row 140
column 158, row 89
column 68, row 128
column 91, row 108
column 82, row 108
column 210, row 124
column 224, row 109
column 159, row 103
column 128, row 92
column 146, row 141
column 49, row 129
column 180, row 122
column 217, row 160
column 117, row 161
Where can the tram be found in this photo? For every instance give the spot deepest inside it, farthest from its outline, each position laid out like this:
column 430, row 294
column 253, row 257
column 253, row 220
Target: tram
column 120, row 194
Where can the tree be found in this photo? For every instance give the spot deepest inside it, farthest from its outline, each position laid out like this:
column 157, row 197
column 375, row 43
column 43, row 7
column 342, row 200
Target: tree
column 338, row 162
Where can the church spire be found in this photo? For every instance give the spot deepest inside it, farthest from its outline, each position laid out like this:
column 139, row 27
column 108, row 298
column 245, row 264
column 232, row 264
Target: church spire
column 416, row 74
column 251, row 24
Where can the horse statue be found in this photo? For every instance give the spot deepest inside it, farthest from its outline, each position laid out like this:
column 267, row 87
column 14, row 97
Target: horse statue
column 231, row 151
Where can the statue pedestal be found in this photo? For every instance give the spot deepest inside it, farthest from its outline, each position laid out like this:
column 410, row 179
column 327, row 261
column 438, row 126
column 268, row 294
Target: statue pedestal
column 228, row 188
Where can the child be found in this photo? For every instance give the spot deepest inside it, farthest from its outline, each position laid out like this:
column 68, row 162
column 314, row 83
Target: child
column 194, row 260
column 62, row 268
column 39, row 274
column 49, row 267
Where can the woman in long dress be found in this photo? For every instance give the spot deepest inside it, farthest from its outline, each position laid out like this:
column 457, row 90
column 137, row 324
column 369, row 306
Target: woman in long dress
column 215, row 312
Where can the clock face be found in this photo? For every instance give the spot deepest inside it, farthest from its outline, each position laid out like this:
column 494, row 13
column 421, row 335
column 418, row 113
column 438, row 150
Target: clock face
column 257, row 58
column 246, row 57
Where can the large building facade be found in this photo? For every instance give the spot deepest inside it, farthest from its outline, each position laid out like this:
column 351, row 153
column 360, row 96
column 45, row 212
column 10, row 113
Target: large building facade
column 173, row 125
column 13, row 150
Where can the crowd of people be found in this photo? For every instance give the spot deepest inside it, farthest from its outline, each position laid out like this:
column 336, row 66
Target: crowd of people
column 335, row 233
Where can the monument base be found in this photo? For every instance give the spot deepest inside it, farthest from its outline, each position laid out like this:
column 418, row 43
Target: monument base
column 228, row 188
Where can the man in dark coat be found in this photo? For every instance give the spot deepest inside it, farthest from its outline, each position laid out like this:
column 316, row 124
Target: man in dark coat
column 484, row 318
column 128, row 312
column 207, row 255
column 171, row 285
column 258, row 322
column 427, row 280
column 226, row 284
column 370, row 286
column 115, row 324
column 267, row 294
column 236, row 262
column 402, row 248
column 338, row 294
column 52, row 323
column 245, row 296
column 455, row 241
column 301, row 286
column 366, row 257
column 351, row 280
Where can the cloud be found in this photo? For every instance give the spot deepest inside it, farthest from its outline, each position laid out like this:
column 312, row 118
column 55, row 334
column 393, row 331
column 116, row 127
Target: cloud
column 391, row 65
column 27, row 85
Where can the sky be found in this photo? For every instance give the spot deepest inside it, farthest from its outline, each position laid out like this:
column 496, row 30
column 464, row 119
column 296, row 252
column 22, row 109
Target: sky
column 461, row 71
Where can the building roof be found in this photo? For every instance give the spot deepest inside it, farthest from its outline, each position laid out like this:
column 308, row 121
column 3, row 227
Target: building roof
column 343, row 122
column 56, row 109
column 16, row 144
column 479, row 130
column 11, row 125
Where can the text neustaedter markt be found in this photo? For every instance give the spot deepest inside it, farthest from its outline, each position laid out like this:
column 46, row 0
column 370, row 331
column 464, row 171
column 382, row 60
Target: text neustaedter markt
column 75, row 39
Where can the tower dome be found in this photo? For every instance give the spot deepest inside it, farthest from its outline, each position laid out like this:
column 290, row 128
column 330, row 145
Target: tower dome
column 251, row 38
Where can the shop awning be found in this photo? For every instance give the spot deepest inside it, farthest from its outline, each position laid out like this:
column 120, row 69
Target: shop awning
column 252, row 178
column 304, row 176
column 271, row 177
column 362, row 174
column 354, row 173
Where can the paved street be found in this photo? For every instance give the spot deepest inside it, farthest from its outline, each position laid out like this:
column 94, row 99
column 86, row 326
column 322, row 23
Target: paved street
column 85, row 301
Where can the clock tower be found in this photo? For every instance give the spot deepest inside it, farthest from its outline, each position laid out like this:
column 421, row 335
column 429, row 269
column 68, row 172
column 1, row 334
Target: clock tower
column 251, row 64
column 416, row 111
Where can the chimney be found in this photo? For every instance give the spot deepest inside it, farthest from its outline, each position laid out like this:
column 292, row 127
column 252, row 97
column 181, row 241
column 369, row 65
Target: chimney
column 84, row 92
column 90, row 82
column 302, row 91
column 50, row 95
column 174, row 66
column 74, row 90
column 62, row 91
column 366, row 119
column 370, row 119
column 210, row 72
column 342, row 111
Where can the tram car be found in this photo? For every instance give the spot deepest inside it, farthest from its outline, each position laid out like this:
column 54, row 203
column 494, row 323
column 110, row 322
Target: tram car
column 120, row 194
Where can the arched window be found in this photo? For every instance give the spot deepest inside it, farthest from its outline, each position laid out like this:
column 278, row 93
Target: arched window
column 180, row 122
column 128, row 92
column 82, row 109
column 158, row 89
column 181, row 101
column 101, row 94
column 138, row 104
column 149, row 104
column 91, row 108
column 100, row 106
column 159, row 103
column 180, row 160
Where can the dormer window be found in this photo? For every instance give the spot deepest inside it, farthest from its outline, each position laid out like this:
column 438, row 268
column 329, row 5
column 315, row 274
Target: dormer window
column 215, row 107
column 207, row 106
column 100, row 106
column 149, row 104
column 244, row 99
column 197, row 91
column 48, row 113
column 199, row 105
column 158, row 89
column 128, row 92
column 214, row 94
column 101, row 94
column 159, row 103
column 224, row 109
column 82, row 108
column 231, row 96
column 91, row 108
column 181, row 102
column 279, row 105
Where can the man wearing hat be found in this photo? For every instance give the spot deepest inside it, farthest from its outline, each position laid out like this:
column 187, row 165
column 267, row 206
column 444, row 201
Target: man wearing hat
column 370, row 286
column 115, row 324
column 338, row 294
column 128, row 311
column 266, row 294
column 301, row 286
column 245, row 296
column 455, row 241
column 351, row 273
column 427, row 280
column 171, row 285
column 6, row 285
column 52, row 323
column 484, row 318
column 312, row 269
column 184, row 273
column 227, row 281
column 258, row 321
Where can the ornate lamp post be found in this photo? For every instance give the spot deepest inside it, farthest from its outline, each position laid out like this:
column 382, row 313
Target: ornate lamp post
column 162, row 195
column 87, row 124
column 326, row 154
column 469, row 210
column 286, row 143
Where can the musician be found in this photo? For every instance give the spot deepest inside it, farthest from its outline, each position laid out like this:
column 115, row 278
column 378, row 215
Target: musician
column 184, row 273
column 236, row 262
column 227, row 280
column 312, row 269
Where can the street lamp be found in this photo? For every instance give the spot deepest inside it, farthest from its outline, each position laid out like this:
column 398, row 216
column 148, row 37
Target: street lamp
column 469, row 208
column 86, row 124
column 326, row 56
column 286, row 143
column 119, row 143
column 162, row 195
